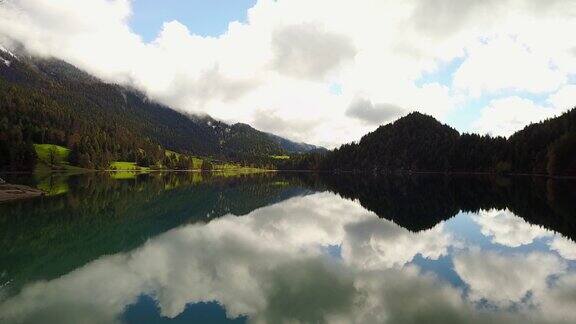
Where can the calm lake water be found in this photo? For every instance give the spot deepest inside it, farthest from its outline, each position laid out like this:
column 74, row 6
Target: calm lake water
column 289, row 248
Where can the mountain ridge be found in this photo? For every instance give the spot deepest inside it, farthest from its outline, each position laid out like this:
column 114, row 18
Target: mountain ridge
column 126, row 124
column 50, row 101
column 420, row 143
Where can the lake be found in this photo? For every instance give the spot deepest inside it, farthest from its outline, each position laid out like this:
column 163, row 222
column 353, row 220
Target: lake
column 289, row 248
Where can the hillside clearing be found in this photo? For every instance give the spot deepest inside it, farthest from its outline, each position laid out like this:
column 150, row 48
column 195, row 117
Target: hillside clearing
column 51, row 153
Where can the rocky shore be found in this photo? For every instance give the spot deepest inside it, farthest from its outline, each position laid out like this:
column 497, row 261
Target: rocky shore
column 9, row 192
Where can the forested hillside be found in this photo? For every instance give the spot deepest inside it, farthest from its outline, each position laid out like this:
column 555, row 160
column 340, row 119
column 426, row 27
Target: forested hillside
column 419, row 143
column 52, row 102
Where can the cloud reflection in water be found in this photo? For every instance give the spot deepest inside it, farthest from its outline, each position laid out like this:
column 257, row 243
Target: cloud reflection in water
column 273, row 266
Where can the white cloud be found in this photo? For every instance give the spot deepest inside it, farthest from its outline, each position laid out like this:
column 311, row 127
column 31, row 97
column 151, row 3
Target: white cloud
column 381, row 244
column 371, row 113
column 540, row 286
column 558, row 303
column 565, row 247
column 508, row 229
column 504, row 280
column 506, row 64
column 283, row 59
column 503, row 117
column 306, row 51
column 565, row 98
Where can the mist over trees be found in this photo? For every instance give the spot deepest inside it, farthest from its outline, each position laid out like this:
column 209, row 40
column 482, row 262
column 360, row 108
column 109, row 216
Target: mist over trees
column 52, row 102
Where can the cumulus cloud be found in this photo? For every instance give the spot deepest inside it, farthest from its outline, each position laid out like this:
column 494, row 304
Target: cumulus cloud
column 444, row 17
column 379, row 244
column 371, row 113
column 306, row 51
column 505, row 280
column 564, row 98
column 565, row 247
column 209, row 85
column 537, row 285
column 506, row 64
column 503, row 117
column 508, row 229
column 293, row 128
column 558, row 303
column 505, row 228
column 283, row 59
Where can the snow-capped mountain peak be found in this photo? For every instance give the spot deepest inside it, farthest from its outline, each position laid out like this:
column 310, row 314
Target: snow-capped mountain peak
column 6, row 56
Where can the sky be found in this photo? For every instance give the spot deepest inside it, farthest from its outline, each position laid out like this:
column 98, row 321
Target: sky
column 202, row 17
column 324, row 71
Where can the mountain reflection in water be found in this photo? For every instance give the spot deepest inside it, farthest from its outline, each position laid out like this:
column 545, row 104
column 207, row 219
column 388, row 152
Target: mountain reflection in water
column 291, row 248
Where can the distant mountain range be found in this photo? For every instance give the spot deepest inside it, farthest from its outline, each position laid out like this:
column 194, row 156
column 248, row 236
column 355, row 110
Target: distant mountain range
column 51, row 101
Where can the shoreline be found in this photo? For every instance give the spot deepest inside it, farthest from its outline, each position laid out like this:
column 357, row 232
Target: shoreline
column 447, row 173
column 12, row 192
column 247, row 170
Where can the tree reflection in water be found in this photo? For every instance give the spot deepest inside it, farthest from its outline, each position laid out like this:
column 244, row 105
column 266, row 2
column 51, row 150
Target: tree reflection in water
column 379, row 250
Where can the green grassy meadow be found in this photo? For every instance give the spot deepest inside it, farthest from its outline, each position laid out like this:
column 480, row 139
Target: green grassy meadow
column 55, row 157
column 49, row 153
column 127, row 166
column 196, row 162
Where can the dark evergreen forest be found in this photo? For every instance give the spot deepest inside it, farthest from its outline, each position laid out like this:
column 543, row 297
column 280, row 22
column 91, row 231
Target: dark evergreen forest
column 419, row 143
column 50, row 101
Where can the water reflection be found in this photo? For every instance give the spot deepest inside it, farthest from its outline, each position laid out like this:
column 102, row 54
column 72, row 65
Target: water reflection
column 51, row 236
column 420, row 202
column 299, row 256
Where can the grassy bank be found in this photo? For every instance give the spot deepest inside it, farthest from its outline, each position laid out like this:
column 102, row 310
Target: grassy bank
column 53, row 157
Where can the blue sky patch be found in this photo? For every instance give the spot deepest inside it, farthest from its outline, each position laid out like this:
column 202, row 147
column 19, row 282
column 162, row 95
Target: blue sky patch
column 202, row 17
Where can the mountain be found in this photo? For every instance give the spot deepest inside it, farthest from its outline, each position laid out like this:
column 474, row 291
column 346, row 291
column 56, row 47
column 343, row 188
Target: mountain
column 51, row 101
column 402, row 145
column 294, row 147
column 548, row 147
column 420, row 143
